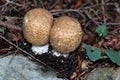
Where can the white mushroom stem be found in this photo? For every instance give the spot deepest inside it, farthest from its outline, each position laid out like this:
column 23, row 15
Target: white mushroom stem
column 40, row 49
column 56, row 53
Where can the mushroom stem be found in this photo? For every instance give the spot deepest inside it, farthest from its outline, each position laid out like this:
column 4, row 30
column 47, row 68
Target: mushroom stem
column 40, row 49
column 56, row 53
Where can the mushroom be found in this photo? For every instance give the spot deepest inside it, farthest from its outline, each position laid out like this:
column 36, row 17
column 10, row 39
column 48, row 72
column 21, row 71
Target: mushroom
column 65, row 35
column 36, row 28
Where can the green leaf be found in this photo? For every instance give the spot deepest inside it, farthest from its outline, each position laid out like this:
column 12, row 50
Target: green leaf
column 101, row 30
column 93, row 55
column 114, row 56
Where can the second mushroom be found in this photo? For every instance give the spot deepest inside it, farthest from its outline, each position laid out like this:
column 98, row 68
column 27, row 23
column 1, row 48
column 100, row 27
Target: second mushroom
column 65, row 35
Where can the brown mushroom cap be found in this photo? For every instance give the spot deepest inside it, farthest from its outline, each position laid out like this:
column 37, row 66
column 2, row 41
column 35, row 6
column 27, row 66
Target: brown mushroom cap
column 66, row 34
column 36, row 26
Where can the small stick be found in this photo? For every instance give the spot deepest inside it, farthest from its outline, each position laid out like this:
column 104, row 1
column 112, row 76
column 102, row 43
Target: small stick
column 90, row 17
column 10, row 26
column 79, row 10
column 22, row 50
column 109, row 23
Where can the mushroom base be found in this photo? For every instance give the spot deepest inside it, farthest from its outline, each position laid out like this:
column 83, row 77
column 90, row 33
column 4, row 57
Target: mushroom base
column 56, row 53
column 40, row 49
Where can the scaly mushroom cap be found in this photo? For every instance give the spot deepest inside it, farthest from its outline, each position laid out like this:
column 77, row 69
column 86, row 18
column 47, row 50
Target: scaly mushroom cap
column 66, row 34
column 36, row 26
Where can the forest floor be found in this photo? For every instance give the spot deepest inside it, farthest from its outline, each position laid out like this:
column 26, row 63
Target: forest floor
column 100, row 21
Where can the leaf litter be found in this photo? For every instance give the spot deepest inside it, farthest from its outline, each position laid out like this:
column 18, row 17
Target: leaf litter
column 90, row 13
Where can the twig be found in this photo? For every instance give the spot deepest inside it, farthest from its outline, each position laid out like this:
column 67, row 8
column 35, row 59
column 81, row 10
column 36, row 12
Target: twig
column 103, row 11
column 109, row 23
column 79, row 10
column 100, row 4
column 90, row 17
column 114, row 31
column 22, row 50
column 13, row 56
column 11, row 2
column 54, row 4
column 35, row 2
column 39, row 3
column 10, row 26
column 54, row 12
